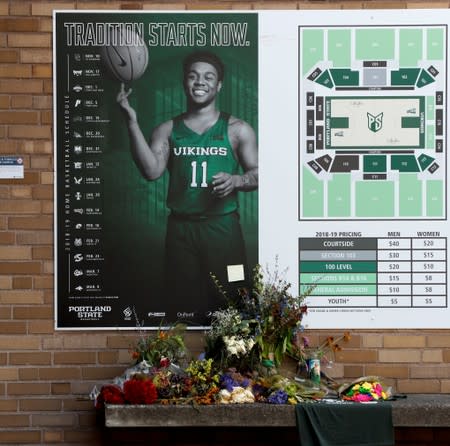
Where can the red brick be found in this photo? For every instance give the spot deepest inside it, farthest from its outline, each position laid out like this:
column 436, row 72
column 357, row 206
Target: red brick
column 5, row 313
column 40, row 327
column 35, row 55
column 7, row 238
column 17, row 25
column 43, row 283
column 95, row 373
column 46, row 116
column 77, row 405
column 21, row 283
column 7, row 421
column 24, row 40
column 418, row 386
column 28, row 389
column 34, row 312
column 8, row 405
column 20, row 86
column 42, row 102
column 21, row 101
column 33, row 147
column 33, row 358
column 19, row 117
column 29, row 131
column 13, row 327
column 20, row 267
column 28, row 178
column 42, row 253
column 29, row 374
column 20, row 437
column 353, row 371
column 59, row 374
column 358, row 356
column 21, row 192
column 86, row 437
column 41, row 222
column 40, row 404
column 35, row 238
column 61, row 388
column 74, row 357
column 4, row 101
column 48, row 86
column 53, row 436
column 46, row 8
column 132, row 6
column 42, row 70
column 15, row 70
column 41, row 162
column 9, row 56
column 19, row 207
column 20, row 9
column 44, row 192
column 15, row 253
column 108, row 357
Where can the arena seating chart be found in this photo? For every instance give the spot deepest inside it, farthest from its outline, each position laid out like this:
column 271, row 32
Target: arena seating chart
column 372, row 112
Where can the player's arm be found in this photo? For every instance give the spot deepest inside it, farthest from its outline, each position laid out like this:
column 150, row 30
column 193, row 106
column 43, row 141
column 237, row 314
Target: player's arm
column 243, row 139
column 150, row 158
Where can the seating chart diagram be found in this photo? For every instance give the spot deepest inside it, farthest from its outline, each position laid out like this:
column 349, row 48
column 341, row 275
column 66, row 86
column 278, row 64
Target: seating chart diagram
column 372, row 113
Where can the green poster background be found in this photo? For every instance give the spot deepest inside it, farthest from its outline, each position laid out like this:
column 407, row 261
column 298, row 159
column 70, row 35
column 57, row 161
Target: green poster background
column 133, row 210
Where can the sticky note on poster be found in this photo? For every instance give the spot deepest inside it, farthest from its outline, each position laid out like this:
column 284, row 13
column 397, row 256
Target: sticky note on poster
column 235, row 273
column 11, row 167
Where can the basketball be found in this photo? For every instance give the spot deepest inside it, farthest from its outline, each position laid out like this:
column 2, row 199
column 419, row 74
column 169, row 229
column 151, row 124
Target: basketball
column 125, row 63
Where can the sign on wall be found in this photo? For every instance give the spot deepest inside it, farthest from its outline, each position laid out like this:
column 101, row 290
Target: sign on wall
column 156, row 156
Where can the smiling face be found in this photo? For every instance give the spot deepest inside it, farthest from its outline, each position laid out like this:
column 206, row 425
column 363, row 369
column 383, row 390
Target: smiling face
column 201, row 83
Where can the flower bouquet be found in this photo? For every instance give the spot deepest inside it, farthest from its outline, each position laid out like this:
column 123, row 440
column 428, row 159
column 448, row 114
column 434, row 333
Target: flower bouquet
column 164, row 345
column 365, row 389
column 325, row 351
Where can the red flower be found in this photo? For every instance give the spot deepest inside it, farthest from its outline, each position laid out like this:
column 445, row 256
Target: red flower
column 109, row 394
column 164, row 362
column 140, row 391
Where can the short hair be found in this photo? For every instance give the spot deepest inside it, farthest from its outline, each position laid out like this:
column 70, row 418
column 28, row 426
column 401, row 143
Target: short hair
column 204, row 56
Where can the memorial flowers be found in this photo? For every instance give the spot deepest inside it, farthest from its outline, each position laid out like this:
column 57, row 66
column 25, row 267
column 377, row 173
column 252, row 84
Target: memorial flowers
column 260, row 326
column 366, row 390
column 139, row 390
column 244, row 348
column 325, row 351
column 164, row 345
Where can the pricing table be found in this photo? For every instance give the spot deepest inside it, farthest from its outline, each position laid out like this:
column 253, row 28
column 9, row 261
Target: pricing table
column 374, row 272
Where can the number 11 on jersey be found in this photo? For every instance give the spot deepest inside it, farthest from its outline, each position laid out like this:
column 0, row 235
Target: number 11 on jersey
column 203, row 167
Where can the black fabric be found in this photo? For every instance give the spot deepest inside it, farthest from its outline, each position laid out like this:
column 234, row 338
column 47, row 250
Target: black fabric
column 345, row 424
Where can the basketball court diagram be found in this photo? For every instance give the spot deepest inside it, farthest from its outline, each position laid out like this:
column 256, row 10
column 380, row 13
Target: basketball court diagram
column 372, row 113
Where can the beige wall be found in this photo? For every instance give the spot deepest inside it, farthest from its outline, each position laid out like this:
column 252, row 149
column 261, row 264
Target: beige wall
column 46, row 376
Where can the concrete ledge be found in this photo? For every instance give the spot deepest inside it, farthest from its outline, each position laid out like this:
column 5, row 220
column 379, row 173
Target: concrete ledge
column 414, row 411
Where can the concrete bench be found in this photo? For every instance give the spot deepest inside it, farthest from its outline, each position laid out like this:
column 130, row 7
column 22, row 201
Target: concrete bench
column 417, row 410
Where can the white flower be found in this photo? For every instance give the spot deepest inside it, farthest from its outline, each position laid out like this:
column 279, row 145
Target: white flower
column 238, row 395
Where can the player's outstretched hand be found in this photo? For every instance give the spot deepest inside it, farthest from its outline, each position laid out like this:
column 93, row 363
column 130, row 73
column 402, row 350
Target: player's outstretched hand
column 122, row 99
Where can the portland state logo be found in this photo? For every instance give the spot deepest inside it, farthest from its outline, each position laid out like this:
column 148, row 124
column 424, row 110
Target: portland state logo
column 375, row 123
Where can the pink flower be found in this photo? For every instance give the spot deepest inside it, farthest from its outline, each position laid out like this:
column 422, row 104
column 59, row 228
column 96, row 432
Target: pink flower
column 378, row 389
column 362, row 397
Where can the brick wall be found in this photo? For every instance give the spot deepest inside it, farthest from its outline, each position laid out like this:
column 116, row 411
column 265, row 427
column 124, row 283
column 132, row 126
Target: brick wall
column 45, row 376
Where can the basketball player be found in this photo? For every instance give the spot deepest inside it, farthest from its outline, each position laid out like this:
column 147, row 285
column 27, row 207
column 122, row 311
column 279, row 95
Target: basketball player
column 202, row 149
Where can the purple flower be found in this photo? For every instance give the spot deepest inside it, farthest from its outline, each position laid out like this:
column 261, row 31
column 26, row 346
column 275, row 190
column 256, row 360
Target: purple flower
column 278, row 397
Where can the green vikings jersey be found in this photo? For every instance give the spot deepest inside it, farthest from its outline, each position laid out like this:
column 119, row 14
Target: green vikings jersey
column 194, row 159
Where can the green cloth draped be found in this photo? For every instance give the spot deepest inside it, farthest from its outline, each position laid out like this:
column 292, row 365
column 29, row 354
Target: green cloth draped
column 345, row 424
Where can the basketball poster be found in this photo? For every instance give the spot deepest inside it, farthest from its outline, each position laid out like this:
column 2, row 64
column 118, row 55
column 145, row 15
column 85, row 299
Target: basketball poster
column 316, row 140
column 118, row 265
